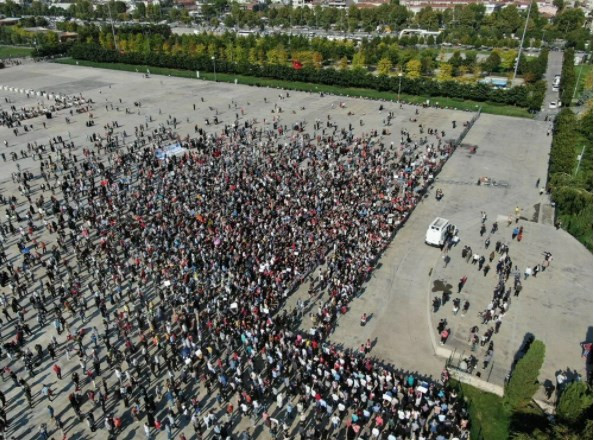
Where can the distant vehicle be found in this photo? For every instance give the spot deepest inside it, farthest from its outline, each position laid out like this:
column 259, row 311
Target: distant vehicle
column 554, row 104
column 439, row 231
column 555, row 88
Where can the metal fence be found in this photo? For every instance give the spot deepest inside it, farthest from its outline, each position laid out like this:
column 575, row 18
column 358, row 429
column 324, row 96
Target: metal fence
column 467, row 128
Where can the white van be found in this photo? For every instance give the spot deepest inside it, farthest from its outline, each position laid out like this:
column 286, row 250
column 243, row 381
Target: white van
column 439, row 231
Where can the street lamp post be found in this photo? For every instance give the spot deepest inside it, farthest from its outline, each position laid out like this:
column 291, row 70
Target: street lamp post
column 521, row 44
column 577, row 82
column 115, row 43
column 214, row 67
column 577, row 168
column 399, row 84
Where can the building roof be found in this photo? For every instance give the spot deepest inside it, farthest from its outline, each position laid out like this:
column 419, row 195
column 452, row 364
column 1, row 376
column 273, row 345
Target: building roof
column 9, row 20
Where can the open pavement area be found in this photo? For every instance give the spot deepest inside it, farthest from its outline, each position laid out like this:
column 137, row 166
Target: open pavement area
column 507, row 156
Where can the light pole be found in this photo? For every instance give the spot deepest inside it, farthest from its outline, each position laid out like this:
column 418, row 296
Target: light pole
column 521, row 44
column 577, row 82
column 214, row 67
column 399, row 84
column 115, row 43
column 579, row 161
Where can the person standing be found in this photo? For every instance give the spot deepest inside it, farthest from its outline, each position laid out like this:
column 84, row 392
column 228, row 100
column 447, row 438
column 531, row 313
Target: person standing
column 58, row 371
column 51, row 413
column 43, row 434
column 444, row 335
column 461, row 283
column 46, row 392
column 91, row 421
column 29, row 396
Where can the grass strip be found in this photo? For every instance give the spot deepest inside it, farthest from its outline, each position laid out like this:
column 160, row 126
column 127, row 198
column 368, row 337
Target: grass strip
column 15, row 52
column 488, row 418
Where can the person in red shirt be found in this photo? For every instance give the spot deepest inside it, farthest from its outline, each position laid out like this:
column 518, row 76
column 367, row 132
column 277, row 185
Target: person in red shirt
column 57, row 370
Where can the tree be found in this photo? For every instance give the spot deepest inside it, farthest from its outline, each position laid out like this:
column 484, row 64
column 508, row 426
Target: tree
column 508, row 59
column 585, row 123
column 508, row 20
column 568, row 78
column 413, row 69
column 117, row 7
column 277, row 56
column 359, row 60
column 524, row 379
column 569, row 19
column 343, row 63
column 427, row 19
column 140, row 11
column 427, row 66
column 492, row 62
column 445, row 72
column 456, row 60
column 384, row 66
column 575, row 403
column 253, row 56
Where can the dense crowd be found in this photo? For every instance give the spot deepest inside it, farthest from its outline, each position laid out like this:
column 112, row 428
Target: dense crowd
column 15, row 117
column 189, row 259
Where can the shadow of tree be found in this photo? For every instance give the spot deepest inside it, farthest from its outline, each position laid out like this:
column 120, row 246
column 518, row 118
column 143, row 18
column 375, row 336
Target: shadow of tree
column 441, row 286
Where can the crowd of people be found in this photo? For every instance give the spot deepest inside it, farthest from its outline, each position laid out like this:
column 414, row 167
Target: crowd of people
column 188, row 260
column 507, row 289
column 14, row 117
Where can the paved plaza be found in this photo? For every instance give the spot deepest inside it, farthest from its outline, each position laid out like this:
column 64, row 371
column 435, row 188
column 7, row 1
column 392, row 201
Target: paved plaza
column 555, row 306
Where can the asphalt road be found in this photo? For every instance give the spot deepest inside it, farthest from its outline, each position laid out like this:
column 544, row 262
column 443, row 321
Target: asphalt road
column 553, row 68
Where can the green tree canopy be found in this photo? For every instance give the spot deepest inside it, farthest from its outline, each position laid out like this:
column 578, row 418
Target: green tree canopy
column 524, row 378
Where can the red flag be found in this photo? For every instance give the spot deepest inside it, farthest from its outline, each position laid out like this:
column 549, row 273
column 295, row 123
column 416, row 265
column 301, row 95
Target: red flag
column 297, row 65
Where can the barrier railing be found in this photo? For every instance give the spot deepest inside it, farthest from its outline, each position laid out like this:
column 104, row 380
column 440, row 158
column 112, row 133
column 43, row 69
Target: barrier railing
column 467, row 128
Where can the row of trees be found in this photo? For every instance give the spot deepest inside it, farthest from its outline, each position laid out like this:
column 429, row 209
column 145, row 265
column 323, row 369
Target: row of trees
column 568, row 79
column 18, row 35
column 529, row 96
column 462, row 24
column 385, row 55
column 570, row 179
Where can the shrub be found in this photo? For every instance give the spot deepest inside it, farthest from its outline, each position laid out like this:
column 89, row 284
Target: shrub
column 524, row 379
column 575, row 403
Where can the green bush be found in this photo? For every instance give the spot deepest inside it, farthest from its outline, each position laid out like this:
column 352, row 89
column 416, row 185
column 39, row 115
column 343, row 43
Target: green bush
column 575, row 403
column 524, row 379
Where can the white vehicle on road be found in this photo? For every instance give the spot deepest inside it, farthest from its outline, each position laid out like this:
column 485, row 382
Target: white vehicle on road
column 554, row 104
column 439, row 231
